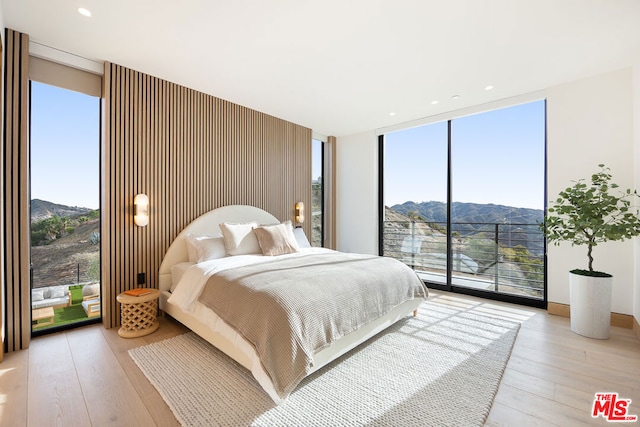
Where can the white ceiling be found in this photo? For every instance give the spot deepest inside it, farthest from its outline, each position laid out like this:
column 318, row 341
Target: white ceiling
column 342, row 66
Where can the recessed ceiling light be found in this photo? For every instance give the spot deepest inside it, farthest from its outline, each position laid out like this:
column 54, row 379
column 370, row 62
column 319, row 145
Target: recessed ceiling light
column 84, row 12
column 488, row 87
column 392, row 113
column 434, row 102
column 454, row 97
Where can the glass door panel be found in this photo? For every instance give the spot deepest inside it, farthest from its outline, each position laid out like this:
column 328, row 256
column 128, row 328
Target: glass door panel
column 497, row 177
column 65, row 199
column 415, row 198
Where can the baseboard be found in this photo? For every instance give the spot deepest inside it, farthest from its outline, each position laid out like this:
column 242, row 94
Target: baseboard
column 617, row 319
column 558, row 309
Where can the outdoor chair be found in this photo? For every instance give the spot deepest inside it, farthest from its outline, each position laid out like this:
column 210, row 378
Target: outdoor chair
column 91, row 305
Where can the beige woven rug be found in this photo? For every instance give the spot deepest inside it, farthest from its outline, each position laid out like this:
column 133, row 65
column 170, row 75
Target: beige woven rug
column 442, row 368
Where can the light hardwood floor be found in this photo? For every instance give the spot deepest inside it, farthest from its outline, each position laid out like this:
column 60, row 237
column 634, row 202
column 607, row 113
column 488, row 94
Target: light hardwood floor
column 85, row 377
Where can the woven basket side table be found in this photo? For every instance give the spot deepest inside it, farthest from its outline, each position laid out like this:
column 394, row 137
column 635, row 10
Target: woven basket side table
column 138, row 315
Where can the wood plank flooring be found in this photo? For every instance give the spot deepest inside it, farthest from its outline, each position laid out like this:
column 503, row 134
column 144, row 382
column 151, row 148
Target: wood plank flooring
column 85, row 377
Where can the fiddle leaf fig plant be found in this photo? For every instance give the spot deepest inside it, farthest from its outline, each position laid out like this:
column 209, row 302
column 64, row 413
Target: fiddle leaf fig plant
column 589, row 213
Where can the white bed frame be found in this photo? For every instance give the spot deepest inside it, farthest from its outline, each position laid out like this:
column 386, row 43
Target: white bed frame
column 209, row 224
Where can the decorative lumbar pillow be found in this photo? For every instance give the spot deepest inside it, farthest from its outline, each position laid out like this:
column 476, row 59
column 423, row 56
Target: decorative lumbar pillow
column 37, row 294
column 203, row 248
column 239, row 239
column 276, row 239
column 57, row 292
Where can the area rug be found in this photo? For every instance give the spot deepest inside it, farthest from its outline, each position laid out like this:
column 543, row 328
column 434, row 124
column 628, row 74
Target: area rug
column 441, row 368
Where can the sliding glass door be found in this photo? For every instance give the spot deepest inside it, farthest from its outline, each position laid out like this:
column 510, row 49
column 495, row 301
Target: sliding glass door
column 463, row 200
column 497, row 170
column 415, row 209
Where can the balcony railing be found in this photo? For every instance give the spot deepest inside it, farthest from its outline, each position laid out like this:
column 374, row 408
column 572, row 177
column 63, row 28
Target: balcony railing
column 505, row 258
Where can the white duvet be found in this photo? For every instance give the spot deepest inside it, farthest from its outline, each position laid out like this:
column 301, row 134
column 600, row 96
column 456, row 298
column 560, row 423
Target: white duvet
column 189, row 287
column 187, row 291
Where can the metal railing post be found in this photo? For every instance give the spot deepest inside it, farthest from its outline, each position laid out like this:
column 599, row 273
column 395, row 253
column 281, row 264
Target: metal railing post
column 413, row 244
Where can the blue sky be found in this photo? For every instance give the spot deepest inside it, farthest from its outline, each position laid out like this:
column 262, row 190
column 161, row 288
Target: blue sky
column 65, row 146
column 497, row 157
column 316, row 159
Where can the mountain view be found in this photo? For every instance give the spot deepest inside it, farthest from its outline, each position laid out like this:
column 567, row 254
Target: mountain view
column 41, row 209
column 491, row 245
column 517, row 225
column 472, row 213
column 65, row 244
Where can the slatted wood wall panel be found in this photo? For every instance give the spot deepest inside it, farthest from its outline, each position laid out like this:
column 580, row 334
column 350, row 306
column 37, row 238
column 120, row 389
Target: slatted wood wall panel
column 190, row 153
column 15, row 274
column 2, row 210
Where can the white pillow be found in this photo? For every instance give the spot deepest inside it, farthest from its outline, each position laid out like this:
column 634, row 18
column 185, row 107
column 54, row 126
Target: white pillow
column 178, row 270
column 239, row 239
column 203, row 248
column 192, row 252
column 57, row 292
column 37, row 294
column 301, row 238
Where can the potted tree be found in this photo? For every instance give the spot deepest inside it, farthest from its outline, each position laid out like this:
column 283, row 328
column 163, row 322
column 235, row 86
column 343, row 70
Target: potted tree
column 590, row 214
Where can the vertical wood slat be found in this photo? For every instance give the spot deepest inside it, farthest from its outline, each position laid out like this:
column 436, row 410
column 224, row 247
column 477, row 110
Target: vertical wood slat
column 329, row 183
column 105, row 213
column 190, row 153
column 16, row 272
column 2, row 239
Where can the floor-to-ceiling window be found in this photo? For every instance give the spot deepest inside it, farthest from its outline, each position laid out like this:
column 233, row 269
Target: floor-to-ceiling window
column 65, row 203
column 463, row 200
column 317, row 193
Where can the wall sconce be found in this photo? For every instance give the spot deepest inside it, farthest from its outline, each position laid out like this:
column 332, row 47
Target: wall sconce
column 141, row 210
column 299, row 212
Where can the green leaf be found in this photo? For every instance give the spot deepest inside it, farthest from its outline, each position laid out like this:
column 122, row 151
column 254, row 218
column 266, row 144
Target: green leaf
column 592, row 214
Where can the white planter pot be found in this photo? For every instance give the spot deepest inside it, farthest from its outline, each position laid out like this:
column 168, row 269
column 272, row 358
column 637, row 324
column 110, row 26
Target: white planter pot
column 590, row 300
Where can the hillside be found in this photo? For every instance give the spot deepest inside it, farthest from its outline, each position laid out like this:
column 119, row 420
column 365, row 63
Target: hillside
column 72, row 253
column 471, row 212
column 516, row 226
column 41, row 209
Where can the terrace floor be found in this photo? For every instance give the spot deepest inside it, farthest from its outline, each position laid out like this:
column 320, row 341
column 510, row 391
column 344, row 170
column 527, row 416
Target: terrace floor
column 66, row 315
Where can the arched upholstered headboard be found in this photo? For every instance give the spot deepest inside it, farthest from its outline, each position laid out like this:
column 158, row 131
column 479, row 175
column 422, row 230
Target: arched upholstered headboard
column 208, row 223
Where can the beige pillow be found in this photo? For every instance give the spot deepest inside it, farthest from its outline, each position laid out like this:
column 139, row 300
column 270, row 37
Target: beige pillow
column 239, row 239
column 276, row 239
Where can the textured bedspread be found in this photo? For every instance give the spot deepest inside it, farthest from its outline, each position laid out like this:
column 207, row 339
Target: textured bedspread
column 290, row 309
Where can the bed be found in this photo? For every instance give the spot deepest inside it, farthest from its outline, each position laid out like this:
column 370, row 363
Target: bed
column 188, row 294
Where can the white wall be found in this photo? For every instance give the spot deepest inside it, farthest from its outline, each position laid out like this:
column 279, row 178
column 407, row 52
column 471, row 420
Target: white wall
column 2, row 21
column 589, row 122
column 357, row 193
